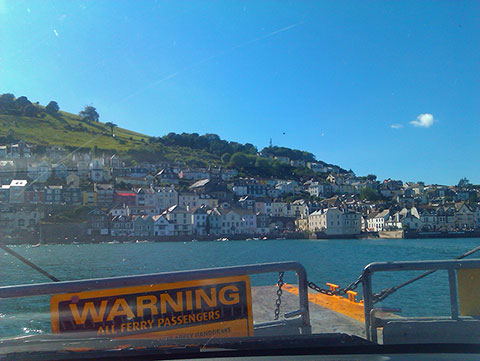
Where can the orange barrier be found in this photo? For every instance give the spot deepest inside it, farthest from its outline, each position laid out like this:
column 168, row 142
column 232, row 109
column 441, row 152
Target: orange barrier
column 347, row 307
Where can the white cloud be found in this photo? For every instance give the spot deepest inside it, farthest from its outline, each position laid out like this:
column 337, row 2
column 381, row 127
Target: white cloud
column 396, row 126
column 55, row 32
column 423, row 120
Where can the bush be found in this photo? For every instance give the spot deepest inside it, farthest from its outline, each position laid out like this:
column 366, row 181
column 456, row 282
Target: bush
column 52, row 108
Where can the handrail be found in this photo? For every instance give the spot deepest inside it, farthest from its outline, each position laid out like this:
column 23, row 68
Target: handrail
column 448, row 265
column 169, row 277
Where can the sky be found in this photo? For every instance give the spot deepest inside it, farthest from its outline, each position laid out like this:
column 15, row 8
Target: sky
column 389, row 88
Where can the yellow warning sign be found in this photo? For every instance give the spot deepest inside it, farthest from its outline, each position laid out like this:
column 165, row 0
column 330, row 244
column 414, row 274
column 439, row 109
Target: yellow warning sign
column 220, row 307
column 469, row 291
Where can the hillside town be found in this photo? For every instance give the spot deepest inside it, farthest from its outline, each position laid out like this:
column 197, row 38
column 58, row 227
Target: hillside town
column 106, row 198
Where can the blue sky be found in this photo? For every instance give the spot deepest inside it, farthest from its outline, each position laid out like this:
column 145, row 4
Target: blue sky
column 390, row 88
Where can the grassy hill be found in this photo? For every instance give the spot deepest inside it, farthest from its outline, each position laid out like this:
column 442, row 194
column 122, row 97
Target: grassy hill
column 70, row 131
column 22, row 120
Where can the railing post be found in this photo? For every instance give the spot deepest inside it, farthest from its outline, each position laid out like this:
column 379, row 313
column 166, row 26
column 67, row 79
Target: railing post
column 303, row 295
column 367, row 300
column 452, row 281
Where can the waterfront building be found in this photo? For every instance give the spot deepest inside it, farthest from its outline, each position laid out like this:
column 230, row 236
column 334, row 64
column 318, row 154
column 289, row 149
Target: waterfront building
column 121, row 226
column 162, row 227
column 181, row 218
column 142, row 226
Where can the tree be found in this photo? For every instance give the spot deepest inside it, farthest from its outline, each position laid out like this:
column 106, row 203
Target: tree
column 52, row 107
column 7, row 103
column 22, row 102
column 226, row 157
column 7, row 98
column 464, row 183
column 369, row 194
column 263, row 166
column 111, row 126
column 241, row 160
column 372, row 177
column 89, row 114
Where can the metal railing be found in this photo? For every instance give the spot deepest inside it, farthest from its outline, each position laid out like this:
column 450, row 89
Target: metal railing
column 297, row 319
column 451, row 266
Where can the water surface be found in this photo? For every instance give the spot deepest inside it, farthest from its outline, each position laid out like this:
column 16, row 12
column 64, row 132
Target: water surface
column 337, row 261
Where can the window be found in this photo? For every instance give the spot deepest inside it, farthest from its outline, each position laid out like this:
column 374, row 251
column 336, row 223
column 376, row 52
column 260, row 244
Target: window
column 286, row 70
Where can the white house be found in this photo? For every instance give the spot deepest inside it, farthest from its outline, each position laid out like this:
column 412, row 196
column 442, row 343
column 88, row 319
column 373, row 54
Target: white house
column 279, row 209
column 162, row 227
column 376, row 221
column 200, row 221
column 334, row 221
column 188, row 200
column 181, row 218
column 231, row 222
column 317, row 167
column 121, row 226
column 287, row 187
column 464, row 216
column 249, row 221
column 96, row 170
column 145, row 196
column 17, row 191
column 83, row 168
column 166, row 197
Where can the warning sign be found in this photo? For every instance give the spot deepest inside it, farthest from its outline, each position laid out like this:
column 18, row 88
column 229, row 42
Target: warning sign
column 220, row 307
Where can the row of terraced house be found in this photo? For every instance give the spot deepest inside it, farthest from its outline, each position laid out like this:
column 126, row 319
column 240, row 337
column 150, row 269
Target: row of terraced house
column 178, row 221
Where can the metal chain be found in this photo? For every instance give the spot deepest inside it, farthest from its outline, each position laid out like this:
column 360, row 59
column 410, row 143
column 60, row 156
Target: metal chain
column 338, row 292
column 378, row 297
column 278, row 302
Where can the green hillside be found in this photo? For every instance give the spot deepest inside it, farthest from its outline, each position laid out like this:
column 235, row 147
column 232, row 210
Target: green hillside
column 44, row 126
column 69, row 130
column 41, row 129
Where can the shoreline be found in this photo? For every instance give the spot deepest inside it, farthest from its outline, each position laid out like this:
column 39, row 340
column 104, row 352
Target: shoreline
column 75, row 238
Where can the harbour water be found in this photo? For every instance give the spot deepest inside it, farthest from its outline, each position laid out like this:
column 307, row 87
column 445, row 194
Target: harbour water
column 337, row 261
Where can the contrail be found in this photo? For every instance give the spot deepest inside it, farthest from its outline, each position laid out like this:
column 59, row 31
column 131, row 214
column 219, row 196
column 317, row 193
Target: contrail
column 266, row 36
column 207, row 59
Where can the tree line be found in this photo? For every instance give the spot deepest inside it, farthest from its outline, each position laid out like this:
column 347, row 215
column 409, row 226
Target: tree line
column 23, row 106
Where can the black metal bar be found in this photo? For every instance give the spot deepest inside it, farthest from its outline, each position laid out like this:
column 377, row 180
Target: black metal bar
column 28, row 263
column 452, row 281
column 367, row 302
